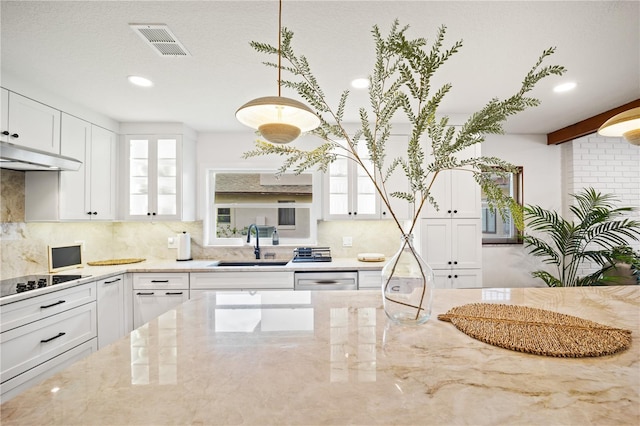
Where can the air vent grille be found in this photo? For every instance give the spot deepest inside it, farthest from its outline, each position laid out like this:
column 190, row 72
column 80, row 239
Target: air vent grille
column 160, row 38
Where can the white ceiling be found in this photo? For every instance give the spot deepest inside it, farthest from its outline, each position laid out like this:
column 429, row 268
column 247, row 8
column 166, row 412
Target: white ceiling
column 84, row 50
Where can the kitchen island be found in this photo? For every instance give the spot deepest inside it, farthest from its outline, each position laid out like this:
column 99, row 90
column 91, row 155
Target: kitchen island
column 298, row 357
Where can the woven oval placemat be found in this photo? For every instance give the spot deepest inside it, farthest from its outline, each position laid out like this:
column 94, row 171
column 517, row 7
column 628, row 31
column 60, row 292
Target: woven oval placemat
column 537, row 331
column 115, row 262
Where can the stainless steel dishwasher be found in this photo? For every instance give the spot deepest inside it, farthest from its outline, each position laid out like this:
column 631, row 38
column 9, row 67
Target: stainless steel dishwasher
column 326, row 280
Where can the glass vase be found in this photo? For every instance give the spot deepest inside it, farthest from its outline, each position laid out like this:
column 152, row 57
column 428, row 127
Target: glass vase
column 407, row 285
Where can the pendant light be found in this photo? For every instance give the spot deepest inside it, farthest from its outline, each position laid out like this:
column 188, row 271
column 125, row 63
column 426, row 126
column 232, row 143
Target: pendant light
column 279, row 119
column 626, row 124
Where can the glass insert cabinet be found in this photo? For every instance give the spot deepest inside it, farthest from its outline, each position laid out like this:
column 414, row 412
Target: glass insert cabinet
column 155, row 177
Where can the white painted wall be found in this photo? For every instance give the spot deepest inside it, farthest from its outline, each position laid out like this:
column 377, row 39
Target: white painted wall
column 510, row 265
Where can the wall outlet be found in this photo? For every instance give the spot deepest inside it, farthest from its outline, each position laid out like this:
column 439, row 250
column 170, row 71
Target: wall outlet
column 347, row 241
column 172, row 242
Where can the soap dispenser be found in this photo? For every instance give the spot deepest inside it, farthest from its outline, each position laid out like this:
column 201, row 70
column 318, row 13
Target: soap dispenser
column 275, row 239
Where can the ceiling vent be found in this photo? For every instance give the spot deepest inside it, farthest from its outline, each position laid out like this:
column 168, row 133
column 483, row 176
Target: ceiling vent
column 161, row 39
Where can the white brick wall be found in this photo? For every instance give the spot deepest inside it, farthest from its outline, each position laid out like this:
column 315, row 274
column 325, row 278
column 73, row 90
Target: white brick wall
column 609, row 165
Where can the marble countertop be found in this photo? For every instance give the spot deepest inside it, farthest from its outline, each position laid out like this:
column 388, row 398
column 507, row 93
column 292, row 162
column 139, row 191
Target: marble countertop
column 93, row 273
column 332, row 358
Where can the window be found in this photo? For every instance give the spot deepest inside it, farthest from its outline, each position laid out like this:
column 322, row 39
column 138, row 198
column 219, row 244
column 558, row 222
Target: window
column 500, row 228
column 237, row 199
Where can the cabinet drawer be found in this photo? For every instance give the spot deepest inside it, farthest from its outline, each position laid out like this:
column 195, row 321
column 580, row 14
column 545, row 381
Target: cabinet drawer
column 24, row 381
column 27, row 346
column 161, row 281
column 370, row 280
column 17, row 314
column 242, row 280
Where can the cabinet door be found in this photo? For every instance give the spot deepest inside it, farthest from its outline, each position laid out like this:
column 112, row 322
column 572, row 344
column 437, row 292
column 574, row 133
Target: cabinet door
column 4, row 115
column 154, row 176
column 466, row 248
column 436, row 242
column 149, row 304
column 452, row 243
column 349, row 192
column 111, row 316
column 102, row 174
column 33, row 124
column 74, row 191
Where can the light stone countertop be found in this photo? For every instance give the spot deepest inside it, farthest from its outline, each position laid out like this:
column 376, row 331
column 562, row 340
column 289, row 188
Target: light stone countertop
column 94, row 273
column 331, row 358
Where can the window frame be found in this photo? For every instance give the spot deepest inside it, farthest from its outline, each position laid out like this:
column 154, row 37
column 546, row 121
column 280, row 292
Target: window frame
column 491, row 238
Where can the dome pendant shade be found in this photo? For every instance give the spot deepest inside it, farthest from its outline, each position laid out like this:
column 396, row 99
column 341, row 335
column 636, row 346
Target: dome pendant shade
column 626, row 124
column 278, row 119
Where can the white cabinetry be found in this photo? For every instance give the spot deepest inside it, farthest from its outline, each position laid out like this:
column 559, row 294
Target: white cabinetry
column 160, row 171
column 155, row 294
column 370, row 280
column 43, row 334
column 29, row 123
column 111, row 310
column 456, row 192
column 349, row 193
column 451, row 237
column 89, row 193
column 453, row 246
column 86, row 194
column 240, row 280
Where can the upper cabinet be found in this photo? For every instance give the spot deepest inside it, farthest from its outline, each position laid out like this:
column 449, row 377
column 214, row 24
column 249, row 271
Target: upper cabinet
column 89, row 193
column 29, row 123
column 160, row 171
column 349, row 193
column 456, row 192
column 86, row 194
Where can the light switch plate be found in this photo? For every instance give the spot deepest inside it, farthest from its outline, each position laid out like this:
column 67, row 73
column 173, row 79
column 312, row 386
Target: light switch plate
column 347, row 241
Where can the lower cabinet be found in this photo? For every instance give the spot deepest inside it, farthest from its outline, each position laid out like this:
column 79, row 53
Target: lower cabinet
column 57, row 329
column 155, row 294
column 370, row 280
column 111, row 310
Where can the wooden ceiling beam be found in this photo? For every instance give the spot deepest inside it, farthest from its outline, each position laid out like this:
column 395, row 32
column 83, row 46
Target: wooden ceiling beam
column 585, row 127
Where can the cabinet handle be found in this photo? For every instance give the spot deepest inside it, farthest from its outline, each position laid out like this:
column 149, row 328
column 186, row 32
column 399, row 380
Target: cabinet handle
column 94, row 213
column 349, row 213
column 112, row 281
column 448, row 211
column 5, row 133
column 159, row 281
column 448, row 276
column 53, row 338
column 15, row 135
column 59, row 302
column 449, row 263
column 174, row 293
column 154, row 213
column 455, row 262
column 455, row 211
column 455, row 276
column 384, row 213
column 140, row 293
column 355, row 213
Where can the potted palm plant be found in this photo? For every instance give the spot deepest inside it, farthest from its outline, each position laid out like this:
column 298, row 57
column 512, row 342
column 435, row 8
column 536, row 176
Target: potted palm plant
column 599, row 234
column 401, row 85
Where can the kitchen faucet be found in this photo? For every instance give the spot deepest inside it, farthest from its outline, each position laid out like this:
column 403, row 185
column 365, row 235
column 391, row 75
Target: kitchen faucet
column 257, row 249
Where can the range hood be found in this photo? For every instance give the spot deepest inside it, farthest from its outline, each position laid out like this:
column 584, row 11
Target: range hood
column 16, row 157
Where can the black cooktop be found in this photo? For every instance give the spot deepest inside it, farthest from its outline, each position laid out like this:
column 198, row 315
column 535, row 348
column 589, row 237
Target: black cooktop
column 33, row 282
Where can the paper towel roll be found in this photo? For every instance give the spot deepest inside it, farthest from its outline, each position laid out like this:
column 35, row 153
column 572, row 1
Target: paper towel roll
column 184, row 246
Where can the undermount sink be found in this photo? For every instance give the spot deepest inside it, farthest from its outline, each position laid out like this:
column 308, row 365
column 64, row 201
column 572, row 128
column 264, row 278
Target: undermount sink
column 256, row 262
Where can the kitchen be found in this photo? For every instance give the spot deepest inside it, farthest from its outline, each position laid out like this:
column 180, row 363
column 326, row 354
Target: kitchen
column 543, row 164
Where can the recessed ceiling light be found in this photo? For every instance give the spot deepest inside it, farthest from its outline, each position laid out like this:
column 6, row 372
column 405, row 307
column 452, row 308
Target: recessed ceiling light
column 360, row 83
column 564, row 87
column 140, row 81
